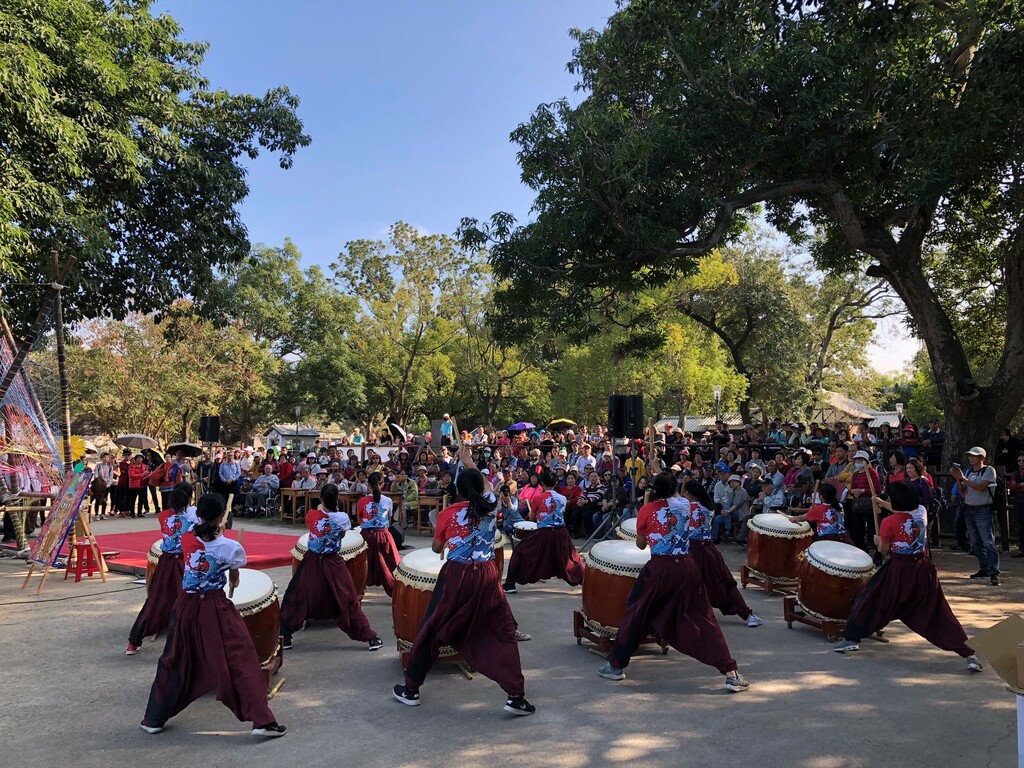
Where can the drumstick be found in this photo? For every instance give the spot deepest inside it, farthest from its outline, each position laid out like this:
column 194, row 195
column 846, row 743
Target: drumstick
column 231, row 587
column 874, row 501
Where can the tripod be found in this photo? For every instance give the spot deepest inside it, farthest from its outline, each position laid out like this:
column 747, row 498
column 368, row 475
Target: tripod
column 607, row 527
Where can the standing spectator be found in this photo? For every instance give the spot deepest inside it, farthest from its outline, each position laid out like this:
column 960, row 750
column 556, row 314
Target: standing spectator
column 230, row 473
column 121, row 489
column 860, row 483
column 138, row 475
column 917, row 476
column 1006, row 452
column 976, row 487
column 204, row 473
column 933, row 439
column 897, row 468
column 105, row 473
column 286, row 471
column 1015, row 482
column 357, row 437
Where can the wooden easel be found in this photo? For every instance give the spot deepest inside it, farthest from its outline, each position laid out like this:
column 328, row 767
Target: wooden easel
column 76, row 520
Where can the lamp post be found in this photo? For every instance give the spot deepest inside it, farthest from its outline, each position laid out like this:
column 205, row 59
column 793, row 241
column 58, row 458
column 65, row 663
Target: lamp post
column 298, row 413
column 718, row 401
column 899, row 414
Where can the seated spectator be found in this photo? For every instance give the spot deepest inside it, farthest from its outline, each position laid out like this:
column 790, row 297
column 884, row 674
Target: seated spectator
column 614, row 501
column 735, row 508
column 508, row 506
column 410, row 493
column 588, row 505
column 361, row 484
column 262, row 487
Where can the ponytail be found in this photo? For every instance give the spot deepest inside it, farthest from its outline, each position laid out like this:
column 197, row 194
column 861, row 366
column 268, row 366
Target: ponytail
column 329, row 497
column 376, row 480
column 209, row 510
column 471, row 487
column 698, row 492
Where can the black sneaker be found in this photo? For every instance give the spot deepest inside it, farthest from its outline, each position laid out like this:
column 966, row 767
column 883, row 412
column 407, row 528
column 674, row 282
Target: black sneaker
column 509, row 589
column 286, row 642
column 980, row 575
column 271, row 731
column 407, row 697
column 375, row 644
column 519, row 706
column 994, row 581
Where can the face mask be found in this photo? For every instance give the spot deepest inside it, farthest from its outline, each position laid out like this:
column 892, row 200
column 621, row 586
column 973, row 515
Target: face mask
column 860, row 465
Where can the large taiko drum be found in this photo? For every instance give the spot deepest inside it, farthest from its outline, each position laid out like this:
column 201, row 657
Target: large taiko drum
column 627, row 530
column 774, row 545
column 524, row 529
column 831, row 575
column 415, row 578
column 353, row 552
column 612, row 569
column 152, row 558
column 255, row 597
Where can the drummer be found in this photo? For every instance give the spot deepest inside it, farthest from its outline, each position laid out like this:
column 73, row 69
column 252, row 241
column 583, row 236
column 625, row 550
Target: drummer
column 697, row 506
column 374, row 515
column 322, row 587
column 668, row 599
column 165, row 585
column 906, row 587
column 827, row 516
column 208, row 646
column 468, row 610
column 548, row 552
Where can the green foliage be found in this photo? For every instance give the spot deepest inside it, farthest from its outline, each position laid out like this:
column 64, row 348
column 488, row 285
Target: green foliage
column 117, row 151
column 886, row 131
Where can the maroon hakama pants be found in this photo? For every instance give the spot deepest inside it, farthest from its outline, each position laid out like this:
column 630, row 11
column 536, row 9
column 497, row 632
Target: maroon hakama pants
column 381, row 559
column 208, row 649
column 669, row 602
column 469, row 612
column 549, row 553
column 322, row 588
column 907, row 588
column 719, row 583
column 164, row 590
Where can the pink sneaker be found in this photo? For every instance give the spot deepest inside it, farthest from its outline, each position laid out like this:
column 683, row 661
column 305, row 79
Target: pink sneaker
column 131, row 650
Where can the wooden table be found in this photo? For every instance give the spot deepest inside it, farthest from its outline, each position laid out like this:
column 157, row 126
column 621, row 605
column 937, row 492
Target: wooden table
column 297, row 496
column 426, row 504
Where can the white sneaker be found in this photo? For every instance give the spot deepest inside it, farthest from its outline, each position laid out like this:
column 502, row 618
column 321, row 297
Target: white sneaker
column 753, row 620
column 151, row 728
column 974, row 664
column 735, row 682
column 844, row 646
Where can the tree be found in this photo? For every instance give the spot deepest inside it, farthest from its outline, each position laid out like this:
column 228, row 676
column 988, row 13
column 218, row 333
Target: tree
column 409, row 289
column 118, row 152
column 891, row 130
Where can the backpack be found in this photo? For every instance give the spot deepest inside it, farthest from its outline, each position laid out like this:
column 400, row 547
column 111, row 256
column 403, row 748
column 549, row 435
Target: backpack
column 999, row 496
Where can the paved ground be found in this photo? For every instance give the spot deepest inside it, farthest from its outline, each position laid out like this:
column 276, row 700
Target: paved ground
column 71, row 695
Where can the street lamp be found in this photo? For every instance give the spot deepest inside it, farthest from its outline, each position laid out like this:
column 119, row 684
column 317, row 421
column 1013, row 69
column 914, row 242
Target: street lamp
column 718, row 401
column 899, row 413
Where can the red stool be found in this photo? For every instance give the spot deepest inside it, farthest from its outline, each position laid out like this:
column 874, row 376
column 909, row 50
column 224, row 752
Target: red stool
column 85, row 562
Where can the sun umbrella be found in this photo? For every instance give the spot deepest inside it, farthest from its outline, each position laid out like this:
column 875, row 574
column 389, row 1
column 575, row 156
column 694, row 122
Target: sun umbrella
column 137, row 441
column 398, row 432
column 561, row 424
column 191, row 450
column 519, row 426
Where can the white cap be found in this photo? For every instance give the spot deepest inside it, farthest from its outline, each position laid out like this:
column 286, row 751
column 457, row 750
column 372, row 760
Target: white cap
column 862, row 455
column 977, row 451
column 485, row 471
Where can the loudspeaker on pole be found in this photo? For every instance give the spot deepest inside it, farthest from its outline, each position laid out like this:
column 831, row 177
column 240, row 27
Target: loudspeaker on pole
column 209, row 429
column 626, row 416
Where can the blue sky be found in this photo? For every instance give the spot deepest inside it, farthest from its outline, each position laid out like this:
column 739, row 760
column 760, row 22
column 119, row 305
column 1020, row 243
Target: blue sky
column 409, row 105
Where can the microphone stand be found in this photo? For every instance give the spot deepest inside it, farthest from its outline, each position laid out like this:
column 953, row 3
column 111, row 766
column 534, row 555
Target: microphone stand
column 607, row 527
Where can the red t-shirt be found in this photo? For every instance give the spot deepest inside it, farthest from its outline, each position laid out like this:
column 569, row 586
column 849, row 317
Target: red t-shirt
column 661, row 527
column 906, row 532
column 828, row 520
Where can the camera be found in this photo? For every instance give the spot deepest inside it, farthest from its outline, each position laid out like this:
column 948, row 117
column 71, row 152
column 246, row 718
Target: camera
column 503, row 490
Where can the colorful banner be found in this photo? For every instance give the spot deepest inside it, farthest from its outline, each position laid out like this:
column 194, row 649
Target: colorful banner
column 46, row 549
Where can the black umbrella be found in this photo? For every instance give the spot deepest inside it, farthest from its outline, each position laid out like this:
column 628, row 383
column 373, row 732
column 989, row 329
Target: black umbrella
column 398, row 432
column 191, row 450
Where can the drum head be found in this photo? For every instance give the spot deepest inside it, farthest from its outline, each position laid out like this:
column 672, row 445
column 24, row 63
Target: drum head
column 774, row 524
column 621, row 557
column 303, row 543
column 499, row 540
column 840, row 556
column 629, row 526
column 526, row 525
column 156, row 550
column 422, row 563
column 352, row 541
column 253, row 588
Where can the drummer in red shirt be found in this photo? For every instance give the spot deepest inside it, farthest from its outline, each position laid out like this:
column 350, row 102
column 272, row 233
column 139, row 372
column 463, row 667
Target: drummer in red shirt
column 906, row 587
column 549, row 552
column 668, row 599
column 827, row 516
column 468, row 610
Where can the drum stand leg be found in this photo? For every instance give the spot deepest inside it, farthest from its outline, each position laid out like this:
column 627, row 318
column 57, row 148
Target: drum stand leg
column 604, row 643
column 833, row 630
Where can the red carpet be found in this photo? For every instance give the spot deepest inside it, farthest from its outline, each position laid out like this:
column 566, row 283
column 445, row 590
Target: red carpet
column 264, row 550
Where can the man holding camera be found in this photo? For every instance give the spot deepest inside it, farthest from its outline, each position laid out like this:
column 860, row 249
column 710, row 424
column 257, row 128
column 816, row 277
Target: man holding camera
column 976, row 488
